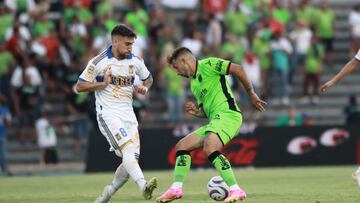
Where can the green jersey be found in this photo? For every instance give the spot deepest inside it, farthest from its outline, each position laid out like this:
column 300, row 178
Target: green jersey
column 210, row 87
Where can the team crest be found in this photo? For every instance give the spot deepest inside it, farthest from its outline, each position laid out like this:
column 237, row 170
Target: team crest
column 131, row 69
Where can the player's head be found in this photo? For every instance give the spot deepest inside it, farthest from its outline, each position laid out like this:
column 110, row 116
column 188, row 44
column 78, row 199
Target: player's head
column 122, row 39
column 182, row 60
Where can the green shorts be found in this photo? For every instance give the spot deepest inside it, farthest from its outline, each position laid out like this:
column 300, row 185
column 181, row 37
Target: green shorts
column 225, row 124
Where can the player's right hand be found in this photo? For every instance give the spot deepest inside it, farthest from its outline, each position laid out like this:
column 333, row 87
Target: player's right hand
column 107, row 76
column 191, row 108
column 326, row 86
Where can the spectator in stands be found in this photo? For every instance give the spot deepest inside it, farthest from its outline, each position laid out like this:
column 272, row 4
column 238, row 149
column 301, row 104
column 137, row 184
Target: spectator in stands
column 194, row 42
column 174, row 89
column 7, row 63
column 352, row 111
column 325, row 29
column 313, row 67
column 213, row 36
column 232, row 49
column 281, row 50
column 26, row 82
column 47, row 140
column 301, row 38
column 237, row 22
column 280, row 12
column 5, row 122
column 77, row 8
column 261, row 49
column 24, row 32
column 138, row 19
column 43, row 25
column 354, row 21
column 252, row 69
column 292, row 118
column 77, row 104
column 305, row 12
column 14, row 44
column 6, row 19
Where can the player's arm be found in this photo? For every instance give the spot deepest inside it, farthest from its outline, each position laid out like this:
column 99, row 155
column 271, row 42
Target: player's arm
column 348, row 68
column 192, row 109
column 85, row 86
column 238, row 71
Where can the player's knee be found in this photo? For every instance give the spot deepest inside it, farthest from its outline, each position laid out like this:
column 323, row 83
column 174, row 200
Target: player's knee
column 181, row 145
column 209, row 148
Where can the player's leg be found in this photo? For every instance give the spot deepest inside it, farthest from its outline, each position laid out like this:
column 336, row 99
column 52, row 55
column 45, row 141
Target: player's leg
column 120, row 178
column 356, row 175
column 220, row 131
column 212, row 147
column 182, row 166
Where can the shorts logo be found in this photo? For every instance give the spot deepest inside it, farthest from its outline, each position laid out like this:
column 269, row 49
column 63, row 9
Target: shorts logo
column 118, row 137
column 217, row 116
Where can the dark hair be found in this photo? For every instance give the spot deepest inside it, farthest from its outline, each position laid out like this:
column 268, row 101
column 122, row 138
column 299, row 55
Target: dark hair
column 122, row 30
column 176, row 53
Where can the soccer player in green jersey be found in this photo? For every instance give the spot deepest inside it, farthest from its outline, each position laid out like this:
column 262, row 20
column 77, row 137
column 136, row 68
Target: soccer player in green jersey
column 216, row 102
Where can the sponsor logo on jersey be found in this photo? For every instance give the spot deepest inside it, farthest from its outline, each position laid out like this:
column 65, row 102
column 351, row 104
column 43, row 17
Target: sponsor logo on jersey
column 131, row 69
column 203, row 92
column 219, row 65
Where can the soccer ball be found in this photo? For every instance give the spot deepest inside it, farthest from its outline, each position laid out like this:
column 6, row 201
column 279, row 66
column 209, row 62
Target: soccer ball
column 217, row 188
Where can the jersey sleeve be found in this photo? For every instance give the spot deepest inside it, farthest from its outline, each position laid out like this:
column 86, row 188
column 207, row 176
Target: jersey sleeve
column 89, row 73
column 357, row 56
column 218, row 65
column 141, row 69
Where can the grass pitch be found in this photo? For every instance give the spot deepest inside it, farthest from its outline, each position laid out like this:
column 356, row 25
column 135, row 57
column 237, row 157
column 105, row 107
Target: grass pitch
column 266, row 185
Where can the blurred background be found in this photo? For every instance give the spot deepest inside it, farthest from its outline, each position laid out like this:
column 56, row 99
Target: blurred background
column 287, row 48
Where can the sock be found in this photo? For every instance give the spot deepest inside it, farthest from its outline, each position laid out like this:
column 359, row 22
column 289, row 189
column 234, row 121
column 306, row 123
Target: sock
column 131, row 166
column 182, row 167
column 358, row 170
column 120, row 178
column 223, row 166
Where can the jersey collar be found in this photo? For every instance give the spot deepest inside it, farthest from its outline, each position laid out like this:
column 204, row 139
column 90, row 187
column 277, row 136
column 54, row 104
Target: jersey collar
column 196, row 68
column 110, row 55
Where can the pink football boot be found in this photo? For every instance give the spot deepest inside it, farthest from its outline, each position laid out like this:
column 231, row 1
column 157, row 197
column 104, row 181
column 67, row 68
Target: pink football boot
column 170, row 195
column 235, row 195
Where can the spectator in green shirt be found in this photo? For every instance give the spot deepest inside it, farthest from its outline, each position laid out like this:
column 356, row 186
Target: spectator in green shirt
column 305, row 13
column 138, row 19
column 42, row 26
column 325, row 25
column 7, row 63
column 237, row 22
column 313, row 64
column 232, row 49
column 292, row 118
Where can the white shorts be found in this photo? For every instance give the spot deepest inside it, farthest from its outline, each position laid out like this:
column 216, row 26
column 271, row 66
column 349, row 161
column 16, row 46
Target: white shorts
column 119, row 130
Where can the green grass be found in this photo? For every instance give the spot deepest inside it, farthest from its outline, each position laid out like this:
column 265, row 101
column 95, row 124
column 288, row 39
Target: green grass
column 269, row 185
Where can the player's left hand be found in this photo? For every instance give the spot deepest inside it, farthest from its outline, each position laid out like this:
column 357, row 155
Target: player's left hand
column 257, row 102
column 141, row 89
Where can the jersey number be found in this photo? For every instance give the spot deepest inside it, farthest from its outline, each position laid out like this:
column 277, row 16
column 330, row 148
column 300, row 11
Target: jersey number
column 123, row 132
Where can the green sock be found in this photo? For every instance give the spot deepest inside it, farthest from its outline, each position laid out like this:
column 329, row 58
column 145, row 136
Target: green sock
column 223, row 166
column 182, row 165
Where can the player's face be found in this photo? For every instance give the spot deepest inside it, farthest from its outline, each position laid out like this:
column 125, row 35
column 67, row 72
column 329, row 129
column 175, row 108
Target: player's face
column 181, row 67
column 123, row 45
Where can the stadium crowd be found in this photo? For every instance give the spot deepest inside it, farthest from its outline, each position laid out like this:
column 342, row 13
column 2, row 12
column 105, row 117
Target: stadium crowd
column 44, row 46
